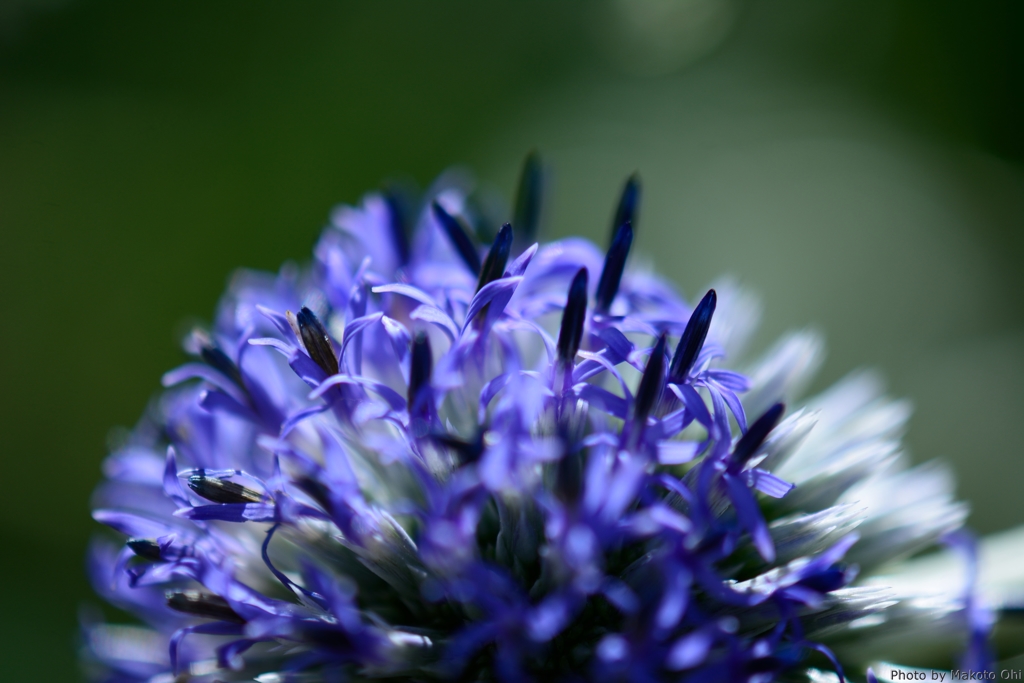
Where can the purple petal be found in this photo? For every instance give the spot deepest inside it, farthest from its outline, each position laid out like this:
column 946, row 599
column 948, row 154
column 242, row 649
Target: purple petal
column 750, row 517
column 132, row 525
column 733, row 381
column 980, row 618
column 547, row 619
column 488, row 293
column 489, row 391
column 280, row 322
column 204, row 372
column 549, row 343
column 212, row 401
column 354, row 327
column 735, row 407
column 770, row 485
column 621, row 595
column 690, row 650
column 398, row 335
column 723, row 433
column 135, row 465
column 229, row 656
column 669, row 518
column 495, row 466
column 677, row 452
column 230, row 512
column 618, row 345
column 306, row 368
column 434, row 315
column 677, row 487
column 298, row 416
column 831, row 657
column 604, row 362
column 218, row 628
column 285, row 349
column 693, row 402
column 171, row 483
column 675, row 599
column 519, row 266
column 395, row 400
column 407, row 290
column 670, row 425
column 602, row 399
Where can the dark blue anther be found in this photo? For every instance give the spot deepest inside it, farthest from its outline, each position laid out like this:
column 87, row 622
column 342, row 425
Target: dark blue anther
column 629, row 204
column 614, row 264
column 568, row 484
column 571, row 333
column 833, row 578
column 693, row 337
column 419, row 368
column 316, row 341
column 219, row 360
column 571, row 428
column 398, row 221
column 529, row 195
column 459, row 237
column 316, row 490
column 222, row 490
column 569, row 475
column 144, row 548
column 652, row 382
column 755, row 436
column 202, row 604
column 467, row 452
column 497, row 258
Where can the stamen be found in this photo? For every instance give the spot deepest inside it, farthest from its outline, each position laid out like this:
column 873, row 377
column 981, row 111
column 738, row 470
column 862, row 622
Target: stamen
column 755, row 436
column 569, row 476
column 459, row 237
column 497, row 258
column 651, row 383
column 529, row 195
column 222, row 490
column 468, row 452
column 629, row 204
column 202, row 604
column 144, row 548
column 692, row 341
column 398, row 214
column 316, row 341
column 573, row 317
column 614, row 264
column 316, row 490
column 218, row 360
column 419, row 367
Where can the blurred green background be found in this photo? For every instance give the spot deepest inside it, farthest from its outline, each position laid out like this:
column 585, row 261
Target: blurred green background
column 857, row 163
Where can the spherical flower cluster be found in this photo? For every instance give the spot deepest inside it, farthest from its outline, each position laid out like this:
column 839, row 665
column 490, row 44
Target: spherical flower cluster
column 446, row 453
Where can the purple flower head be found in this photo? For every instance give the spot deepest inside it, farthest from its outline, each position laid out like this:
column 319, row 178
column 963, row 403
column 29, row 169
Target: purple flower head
column 445, row 452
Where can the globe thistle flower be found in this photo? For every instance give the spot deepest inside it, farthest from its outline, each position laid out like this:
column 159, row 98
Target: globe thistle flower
column 442, row 453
